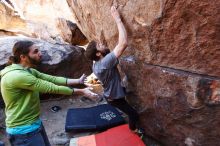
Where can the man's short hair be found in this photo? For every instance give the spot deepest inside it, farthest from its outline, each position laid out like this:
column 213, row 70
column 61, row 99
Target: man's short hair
column 91, row 51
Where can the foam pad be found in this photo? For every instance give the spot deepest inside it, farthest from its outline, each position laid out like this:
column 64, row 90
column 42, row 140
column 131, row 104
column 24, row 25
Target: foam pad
column 117, row 136
column 95, row 118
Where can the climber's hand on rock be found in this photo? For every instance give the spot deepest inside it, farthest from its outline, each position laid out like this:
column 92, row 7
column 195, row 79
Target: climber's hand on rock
column 115, row 14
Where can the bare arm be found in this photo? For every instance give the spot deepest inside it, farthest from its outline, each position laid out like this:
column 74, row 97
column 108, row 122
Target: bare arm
column 76, row 81
column 86, row 92
column 122, row 39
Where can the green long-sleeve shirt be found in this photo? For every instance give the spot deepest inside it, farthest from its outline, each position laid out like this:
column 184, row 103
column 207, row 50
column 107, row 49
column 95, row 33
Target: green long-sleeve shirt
column 20, row 89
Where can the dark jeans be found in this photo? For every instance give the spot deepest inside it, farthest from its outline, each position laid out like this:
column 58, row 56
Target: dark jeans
column 35, row 138
column 2, row 143
column 123, row 105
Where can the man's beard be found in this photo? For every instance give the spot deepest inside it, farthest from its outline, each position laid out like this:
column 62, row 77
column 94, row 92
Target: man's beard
column 33, row 61
column 105, row 52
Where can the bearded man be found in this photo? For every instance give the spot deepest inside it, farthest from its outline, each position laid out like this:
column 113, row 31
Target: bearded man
column 20, row 88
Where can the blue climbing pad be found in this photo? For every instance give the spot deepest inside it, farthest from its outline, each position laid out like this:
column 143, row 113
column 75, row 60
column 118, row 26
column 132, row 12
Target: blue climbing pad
column 96, row 118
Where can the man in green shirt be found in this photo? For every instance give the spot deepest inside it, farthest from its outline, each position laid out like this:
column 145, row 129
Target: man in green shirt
column 20, row 88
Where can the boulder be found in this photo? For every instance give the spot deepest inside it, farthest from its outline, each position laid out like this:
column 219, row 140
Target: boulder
column 177, row 34
column 175, row 107
column 57, row 59
column 171, row 66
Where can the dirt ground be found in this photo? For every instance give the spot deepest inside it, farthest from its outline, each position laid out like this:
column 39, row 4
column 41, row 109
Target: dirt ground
column 54, row 122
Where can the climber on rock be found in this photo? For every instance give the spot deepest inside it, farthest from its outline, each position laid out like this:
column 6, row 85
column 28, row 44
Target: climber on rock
column 105, row 68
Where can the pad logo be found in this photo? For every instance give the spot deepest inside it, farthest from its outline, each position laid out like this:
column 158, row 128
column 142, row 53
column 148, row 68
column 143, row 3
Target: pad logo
column 109, row 115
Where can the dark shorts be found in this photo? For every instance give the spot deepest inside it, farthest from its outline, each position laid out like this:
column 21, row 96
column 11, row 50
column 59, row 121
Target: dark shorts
column 35, row 138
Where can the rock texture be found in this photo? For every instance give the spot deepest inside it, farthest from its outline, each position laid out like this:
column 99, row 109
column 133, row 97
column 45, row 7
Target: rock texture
column 70, row 32
column 175, row 107
column 10, row 21
column 171, row 66
column 177, row 34
column 47, row 20
column 58, row 59
column 42, row 10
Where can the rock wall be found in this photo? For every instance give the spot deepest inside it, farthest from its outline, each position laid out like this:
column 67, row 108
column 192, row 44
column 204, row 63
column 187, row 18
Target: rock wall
column 47, row 20
column 9, row 20
column 171, row 65
column 174, row 106
column 177, row 34
column 70, row 32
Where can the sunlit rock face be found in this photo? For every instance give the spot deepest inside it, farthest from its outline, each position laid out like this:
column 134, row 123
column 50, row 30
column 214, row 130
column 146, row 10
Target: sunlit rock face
column 95, row 20
column 9, row 20
column 178, row 34
column 42, row 10
column 40, row 19
column 171, row 66
column 42, row 14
